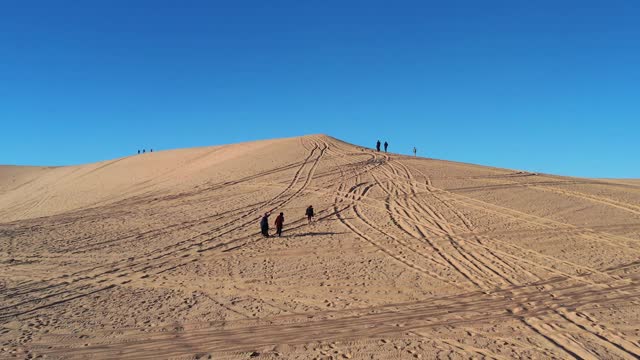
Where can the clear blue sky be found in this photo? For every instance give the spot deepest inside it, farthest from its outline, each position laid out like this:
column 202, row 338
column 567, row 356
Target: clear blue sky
column 550, row 86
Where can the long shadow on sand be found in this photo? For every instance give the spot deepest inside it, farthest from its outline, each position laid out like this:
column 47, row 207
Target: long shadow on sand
column 319, row 233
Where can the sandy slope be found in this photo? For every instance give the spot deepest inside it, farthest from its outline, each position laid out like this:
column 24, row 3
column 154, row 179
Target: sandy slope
column 158, row 255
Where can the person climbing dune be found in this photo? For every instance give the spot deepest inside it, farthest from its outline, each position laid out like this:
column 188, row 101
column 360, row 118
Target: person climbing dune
column 279, row 224
column 264, row 225
column 309, row 213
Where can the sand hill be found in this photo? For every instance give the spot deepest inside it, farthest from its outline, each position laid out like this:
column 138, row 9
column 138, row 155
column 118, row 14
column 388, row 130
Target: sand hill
column 159, row 255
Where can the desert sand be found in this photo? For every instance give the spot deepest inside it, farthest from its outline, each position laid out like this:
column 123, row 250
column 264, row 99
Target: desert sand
column 159, row 256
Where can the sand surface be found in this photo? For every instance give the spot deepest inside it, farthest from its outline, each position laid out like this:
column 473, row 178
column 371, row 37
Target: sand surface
column 159, row 256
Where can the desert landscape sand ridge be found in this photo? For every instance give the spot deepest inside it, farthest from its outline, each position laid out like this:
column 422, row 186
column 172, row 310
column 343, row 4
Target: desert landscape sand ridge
column 159, row 255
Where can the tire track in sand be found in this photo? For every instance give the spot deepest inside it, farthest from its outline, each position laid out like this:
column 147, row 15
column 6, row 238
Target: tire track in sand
column 547, row 329
column 113, row 277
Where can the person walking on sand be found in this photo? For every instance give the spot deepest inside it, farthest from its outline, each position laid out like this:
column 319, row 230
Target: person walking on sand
column 309, row 213
column 415, row 151
column 378, row 145
column 264, row 225
column 279, row 223
column 386, row 144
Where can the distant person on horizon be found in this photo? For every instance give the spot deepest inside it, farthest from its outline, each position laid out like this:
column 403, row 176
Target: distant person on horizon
column 415, row 151
column 378, row 145
column 309, row 213
column 264, row 225
column 279, row 224
column 143, row 150
column 386, row 144
column 138, row 152
column 151, row 150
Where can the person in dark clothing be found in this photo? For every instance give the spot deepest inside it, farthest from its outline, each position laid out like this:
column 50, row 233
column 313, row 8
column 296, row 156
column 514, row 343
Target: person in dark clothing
column 415, row 151
column 309, row 213
column 378, row 145
column 264, row 225
column 385, row 146
column 138, row 152
column 151, row 150
column 279, row 223
column 143, row 150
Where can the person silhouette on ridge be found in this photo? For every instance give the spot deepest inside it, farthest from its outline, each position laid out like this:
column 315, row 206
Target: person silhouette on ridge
column 378, row 145
column 386, row 144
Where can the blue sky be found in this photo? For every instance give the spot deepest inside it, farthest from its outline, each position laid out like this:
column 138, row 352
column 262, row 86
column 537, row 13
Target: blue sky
column 549, row 86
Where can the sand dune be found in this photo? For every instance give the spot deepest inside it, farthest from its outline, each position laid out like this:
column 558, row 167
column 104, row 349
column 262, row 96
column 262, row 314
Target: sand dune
column 159, row 256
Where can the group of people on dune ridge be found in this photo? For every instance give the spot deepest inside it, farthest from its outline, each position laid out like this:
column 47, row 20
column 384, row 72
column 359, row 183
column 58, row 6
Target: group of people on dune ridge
column 386, row 145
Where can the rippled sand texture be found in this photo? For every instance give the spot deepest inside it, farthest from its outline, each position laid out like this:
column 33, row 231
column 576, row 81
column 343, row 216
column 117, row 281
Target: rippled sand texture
column 159, row 255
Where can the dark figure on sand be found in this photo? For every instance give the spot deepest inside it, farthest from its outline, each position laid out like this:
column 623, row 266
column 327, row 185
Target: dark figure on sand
column 415, row 151
column 279, row 223
column 264, row 225
column 309, row 213
column 378, row 145
column 386, row 145
column 138, row 152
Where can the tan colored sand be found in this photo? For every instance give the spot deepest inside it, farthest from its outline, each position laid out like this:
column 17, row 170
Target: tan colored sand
column 159, row 256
